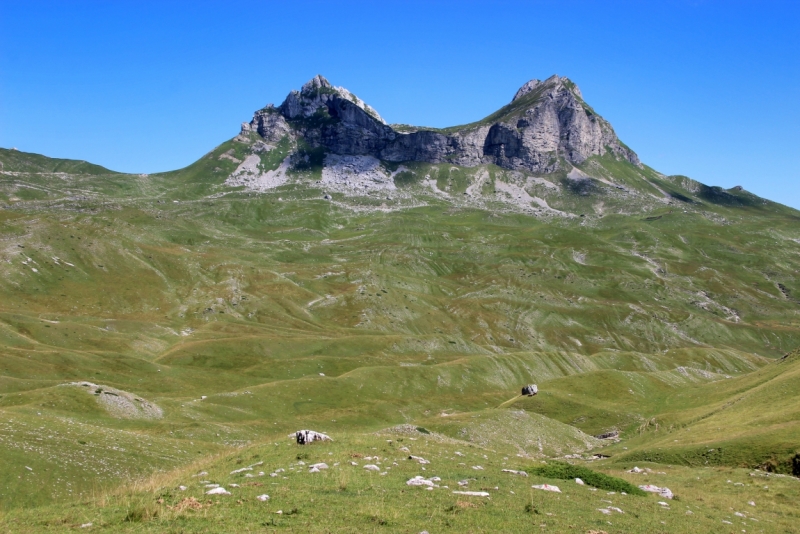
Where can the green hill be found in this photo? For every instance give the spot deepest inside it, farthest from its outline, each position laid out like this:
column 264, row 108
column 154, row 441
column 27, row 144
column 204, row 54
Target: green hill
column 24, row 162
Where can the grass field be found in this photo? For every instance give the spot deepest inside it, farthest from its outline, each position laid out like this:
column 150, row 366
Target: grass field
column 245, row 317
column 346, row 497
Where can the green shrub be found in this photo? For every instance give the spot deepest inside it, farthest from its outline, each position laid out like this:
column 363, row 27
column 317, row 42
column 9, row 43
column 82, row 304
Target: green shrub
column 565, row 471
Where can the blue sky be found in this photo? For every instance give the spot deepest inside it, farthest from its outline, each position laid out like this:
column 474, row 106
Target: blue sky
column 707, row 89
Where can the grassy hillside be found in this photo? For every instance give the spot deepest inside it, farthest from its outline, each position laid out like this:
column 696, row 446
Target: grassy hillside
column 25, row 162
column 241, row 317
column 346, row 497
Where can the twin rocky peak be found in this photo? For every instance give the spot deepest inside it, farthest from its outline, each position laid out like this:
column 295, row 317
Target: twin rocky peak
column 546, row 125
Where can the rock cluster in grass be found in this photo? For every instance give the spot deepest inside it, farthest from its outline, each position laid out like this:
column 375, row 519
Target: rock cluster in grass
column 120, row 403
column 664, row 492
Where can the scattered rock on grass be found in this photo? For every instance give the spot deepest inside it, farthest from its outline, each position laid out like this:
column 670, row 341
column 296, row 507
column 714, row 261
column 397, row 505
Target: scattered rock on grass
column 546, row 487
column 218, row 491
column 242, row 470
column 514, row 472
column 371, row 467
column 419, row 481
column 473, row 493
column 263, row 498
column 664, row 492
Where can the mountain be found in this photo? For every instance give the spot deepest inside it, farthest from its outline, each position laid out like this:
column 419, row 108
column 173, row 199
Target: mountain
column 328, row 271
column 546, row 153
column 546, row 127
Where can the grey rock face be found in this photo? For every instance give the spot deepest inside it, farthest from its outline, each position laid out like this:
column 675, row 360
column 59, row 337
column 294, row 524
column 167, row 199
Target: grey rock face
column 269, row 124
column 526, row 88
column 546, row 123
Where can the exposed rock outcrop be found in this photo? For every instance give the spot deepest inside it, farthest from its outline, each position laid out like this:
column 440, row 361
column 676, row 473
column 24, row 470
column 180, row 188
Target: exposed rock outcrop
column 269, row 124
column 120, row 403
column 530, row 390
column 546, row 124
column 612, row 434
column 304, row 437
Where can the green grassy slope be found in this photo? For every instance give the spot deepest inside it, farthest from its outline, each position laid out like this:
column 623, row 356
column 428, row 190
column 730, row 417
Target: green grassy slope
column 17, row 161
column 346, row 497
column 749, row 420
column 246, row 317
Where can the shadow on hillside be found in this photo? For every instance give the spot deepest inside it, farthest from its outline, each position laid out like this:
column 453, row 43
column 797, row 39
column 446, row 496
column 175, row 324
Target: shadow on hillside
column 682, row 198
column 721, row 197
column 581, row 186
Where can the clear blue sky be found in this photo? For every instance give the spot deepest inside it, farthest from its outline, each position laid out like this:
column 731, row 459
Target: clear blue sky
column 703, row 88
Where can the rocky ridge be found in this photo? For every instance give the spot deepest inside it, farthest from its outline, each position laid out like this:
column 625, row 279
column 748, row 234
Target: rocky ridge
column 547, row 127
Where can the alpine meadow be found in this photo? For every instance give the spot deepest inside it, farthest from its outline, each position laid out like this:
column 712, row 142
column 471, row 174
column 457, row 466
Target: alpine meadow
column 393, row 288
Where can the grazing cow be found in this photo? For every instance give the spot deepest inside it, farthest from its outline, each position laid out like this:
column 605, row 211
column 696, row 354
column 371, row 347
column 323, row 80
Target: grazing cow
column 304, row 437
column 530, row 390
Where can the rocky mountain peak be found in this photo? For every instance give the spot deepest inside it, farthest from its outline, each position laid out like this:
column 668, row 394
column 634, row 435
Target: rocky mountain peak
column 314, row 84
column 536, row 133
column 319, row 98
column 555, row 83
column 526, row 88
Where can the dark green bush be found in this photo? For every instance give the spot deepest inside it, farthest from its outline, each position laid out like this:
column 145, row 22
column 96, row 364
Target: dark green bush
column 565, row 471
